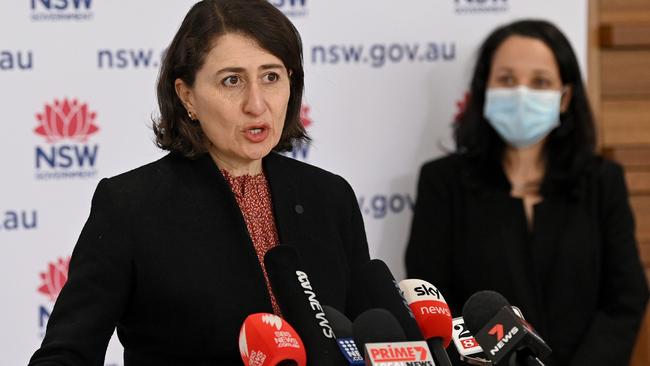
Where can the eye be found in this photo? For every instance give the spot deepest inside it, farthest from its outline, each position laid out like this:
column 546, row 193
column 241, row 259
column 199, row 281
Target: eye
column 232, row 80
column 506, row 79
column 271, row 77
column 540, row 83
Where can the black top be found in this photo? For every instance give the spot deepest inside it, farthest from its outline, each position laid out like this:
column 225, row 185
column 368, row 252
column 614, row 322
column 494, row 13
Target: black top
column 576, row 276
column 166, row 257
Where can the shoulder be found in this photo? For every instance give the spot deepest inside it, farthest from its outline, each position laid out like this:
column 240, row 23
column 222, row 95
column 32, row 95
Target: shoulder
column 303, row 174
column 147, row 174
column 446, row 171
column 610, row 178
column 448, row 164
column 608, row 171
column 146, row 183
column 604, row 174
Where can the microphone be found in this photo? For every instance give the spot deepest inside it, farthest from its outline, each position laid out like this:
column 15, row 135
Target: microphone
column 432, row 314
column 466, row 345
column 342, row 327
column 384, row 341
column 266, row 340
column 300, row 306
column 503, row 335
column 383, row 292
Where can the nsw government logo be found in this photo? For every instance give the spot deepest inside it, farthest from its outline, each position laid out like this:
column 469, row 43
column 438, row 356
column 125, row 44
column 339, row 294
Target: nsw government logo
column 291, row 8
column 300, row 150
column 53, row 280
column 61, row 10
column 66, row 126
column 480, row 6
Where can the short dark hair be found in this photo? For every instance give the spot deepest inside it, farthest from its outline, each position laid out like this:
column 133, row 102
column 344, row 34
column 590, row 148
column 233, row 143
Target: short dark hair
column 207, row 20
column 568, row 147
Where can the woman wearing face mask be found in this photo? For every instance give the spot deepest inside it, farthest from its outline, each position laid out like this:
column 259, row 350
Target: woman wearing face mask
column 525, row 207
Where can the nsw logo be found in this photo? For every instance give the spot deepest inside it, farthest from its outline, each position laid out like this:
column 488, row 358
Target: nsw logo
column 66, row 126
column 53, row 279
column 61, row 10
column 291, row 8
column 300, row 150
column 480, row 6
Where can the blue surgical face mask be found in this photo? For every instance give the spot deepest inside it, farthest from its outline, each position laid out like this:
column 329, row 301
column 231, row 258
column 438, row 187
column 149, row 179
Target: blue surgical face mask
column 521, row 116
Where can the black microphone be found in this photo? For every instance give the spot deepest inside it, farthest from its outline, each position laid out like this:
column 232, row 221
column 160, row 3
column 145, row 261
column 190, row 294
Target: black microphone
column 383, row 292
column 297, row 299
column 506, row 338
column 342, row 327
column 382, row 338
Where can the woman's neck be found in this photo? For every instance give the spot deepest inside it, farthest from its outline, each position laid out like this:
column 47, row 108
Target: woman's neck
column 524, row 166
column 236, row 167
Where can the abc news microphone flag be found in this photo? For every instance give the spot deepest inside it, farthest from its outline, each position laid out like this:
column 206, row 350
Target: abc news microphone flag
column 382, row 86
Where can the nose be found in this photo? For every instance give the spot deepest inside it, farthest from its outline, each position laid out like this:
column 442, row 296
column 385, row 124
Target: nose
column 254, row 103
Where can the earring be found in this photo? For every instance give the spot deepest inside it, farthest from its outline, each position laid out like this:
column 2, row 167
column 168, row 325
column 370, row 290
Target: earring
column 191, row 115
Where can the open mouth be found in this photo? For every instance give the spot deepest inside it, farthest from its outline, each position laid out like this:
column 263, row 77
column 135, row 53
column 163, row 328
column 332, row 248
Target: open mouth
column 257, row 133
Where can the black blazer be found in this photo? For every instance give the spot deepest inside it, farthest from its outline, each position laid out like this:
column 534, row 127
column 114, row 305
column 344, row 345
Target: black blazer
column 166, row 257
column 577, row 276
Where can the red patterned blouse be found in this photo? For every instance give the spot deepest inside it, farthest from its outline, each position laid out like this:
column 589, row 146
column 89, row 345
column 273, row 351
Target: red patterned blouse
column 254, row 199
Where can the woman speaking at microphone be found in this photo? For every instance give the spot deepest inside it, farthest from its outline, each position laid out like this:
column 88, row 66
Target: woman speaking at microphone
column 172, row 253
column 526, row 208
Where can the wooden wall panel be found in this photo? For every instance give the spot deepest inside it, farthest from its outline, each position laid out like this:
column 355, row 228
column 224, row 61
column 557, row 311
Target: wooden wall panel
column 638, row 182
column 625, row 73
column 629, row 156
column 625, row 35
column 621, row 100
column 626, row 122
column 624, row 10
column 641, row 353
column 641, row 207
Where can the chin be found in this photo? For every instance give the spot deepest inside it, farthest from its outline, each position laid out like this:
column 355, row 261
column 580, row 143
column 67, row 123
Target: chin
column 258, row 153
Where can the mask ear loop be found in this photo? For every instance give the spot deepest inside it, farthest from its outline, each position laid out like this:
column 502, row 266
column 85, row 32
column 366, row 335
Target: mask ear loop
column 563, row 94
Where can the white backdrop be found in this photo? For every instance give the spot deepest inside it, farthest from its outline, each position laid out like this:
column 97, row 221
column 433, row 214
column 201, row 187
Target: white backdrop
column 382, row 82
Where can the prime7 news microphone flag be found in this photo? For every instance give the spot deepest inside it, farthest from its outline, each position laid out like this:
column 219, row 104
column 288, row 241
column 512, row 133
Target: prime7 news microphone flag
column 384, row 343
column 343, row 329
column 383, row 292
column 432, row 314
column 299, row 303
column 505, row 337
column 267, row 340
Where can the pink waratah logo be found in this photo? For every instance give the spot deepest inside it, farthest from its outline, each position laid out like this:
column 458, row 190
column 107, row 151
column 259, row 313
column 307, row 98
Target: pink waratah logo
column 461, row 106
column 304, row 115
column 54, row 278
column 66, row 119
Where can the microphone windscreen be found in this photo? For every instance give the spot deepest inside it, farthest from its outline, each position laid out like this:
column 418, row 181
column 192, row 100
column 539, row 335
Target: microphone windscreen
column 430, row 309
column 376, row 326
column 266, row 339
column 383, row 292
column 299, row 304
column 481, row 307
column 340, row 323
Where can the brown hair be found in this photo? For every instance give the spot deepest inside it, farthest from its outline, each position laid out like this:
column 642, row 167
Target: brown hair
column 207, row 20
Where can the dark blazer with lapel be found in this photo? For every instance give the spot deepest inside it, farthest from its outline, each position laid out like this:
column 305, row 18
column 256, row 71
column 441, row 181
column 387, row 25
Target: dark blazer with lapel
column 165, row 255
column 577, row 276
